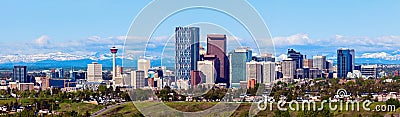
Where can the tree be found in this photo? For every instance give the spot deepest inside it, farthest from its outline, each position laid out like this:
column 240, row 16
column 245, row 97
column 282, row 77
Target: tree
column 102, row 89
column 279, row 113
column 393, row 102
column 87, row 114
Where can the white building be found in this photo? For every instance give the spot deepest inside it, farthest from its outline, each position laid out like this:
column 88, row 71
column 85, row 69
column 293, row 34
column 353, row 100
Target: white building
column 319, row 62
column 144, row 65
column 288, row 70
column 208, row 70
column 263, row 72
column 95, row 72
column 254, row 71
column 269, row 72
column 369, row 71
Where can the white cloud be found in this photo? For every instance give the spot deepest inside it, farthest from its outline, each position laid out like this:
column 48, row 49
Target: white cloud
column 42, row 40
column 281, row 57
column 297, row 39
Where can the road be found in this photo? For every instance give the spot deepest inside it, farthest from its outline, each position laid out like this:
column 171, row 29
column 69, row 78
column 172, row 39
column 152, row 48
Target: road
column 105, row 109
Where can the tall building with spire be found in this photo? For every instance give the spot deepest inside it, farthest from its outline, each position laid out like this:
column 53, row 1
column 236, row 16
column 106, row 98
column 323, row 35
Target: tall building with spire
column 114, row 51
column 116, row 79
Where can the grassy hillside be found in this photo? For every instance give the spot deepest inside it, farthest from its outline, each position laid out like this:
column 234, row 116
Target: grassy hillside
column 129, row 109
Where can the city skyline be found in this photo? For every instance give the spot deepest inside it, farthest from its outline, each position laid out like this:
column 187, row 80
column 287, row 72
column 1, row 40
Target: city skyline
column 200, row 58
column 372, row 31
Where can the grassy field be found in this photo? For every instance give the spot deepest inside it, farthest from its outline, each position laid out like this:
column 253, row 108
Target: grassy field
column 23, row 101
column 124, row 110
column 79, row 107
column 129, row 109
column 191, row 107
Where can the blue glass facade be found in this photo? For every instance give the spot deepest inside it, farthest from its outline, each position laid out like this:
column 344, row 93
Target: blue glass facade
column 238, row 59
column 297, row 57
column 20, row 74
column 345, row 62
column 187, row 48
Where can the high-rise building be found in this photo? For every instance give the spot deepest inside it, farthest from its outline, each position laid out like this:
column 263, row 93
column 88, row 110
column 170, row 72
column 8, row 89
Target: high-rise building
column 345, row 62
column 369, row 71
column 288, row 69
column 297, row 57
column 138, row 79
column 144, row 65
column 307, row 63
column 20, row 74
column 208, row 70
column 254, row 71
column 186, row 51
column 269, row 72
column 216, row 45
column 262, row 72
column 319, row 62
column 95, row 72
column 329, row 66
column 237, row 68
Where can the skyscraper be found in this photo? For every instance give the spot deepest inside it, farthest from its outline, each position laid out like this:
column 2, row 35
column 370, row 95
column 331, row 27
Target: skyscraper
column 216, row 45
column 288, row 70
column 144, row 65
column 345, row 62
column 307, row 63
column 20, row 74
column 237, row 68
column 254, row 71
column 208, row 69
column 95, row 72
column 269, row 72
column 138, row 79
column 319, row 62
column 186, row 51
column 262, row 72
column 297, row 57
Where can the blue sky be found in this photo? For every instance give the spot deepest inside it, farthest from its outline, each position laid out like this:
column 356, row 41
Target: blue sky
column 320, row 27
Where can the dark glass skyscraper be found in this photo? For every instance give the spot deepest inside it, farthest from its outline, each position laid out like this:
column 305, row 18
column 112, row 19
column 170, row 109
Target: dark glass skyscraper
column 186, row 51
column 297, row 57
column 216, row 45
column 20, row 74
column 345, row 62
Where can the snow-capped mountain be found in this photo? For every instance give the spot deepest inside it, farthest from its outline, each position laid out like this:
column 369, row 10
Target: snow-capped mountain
column 60, row 59
column 58, row 56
